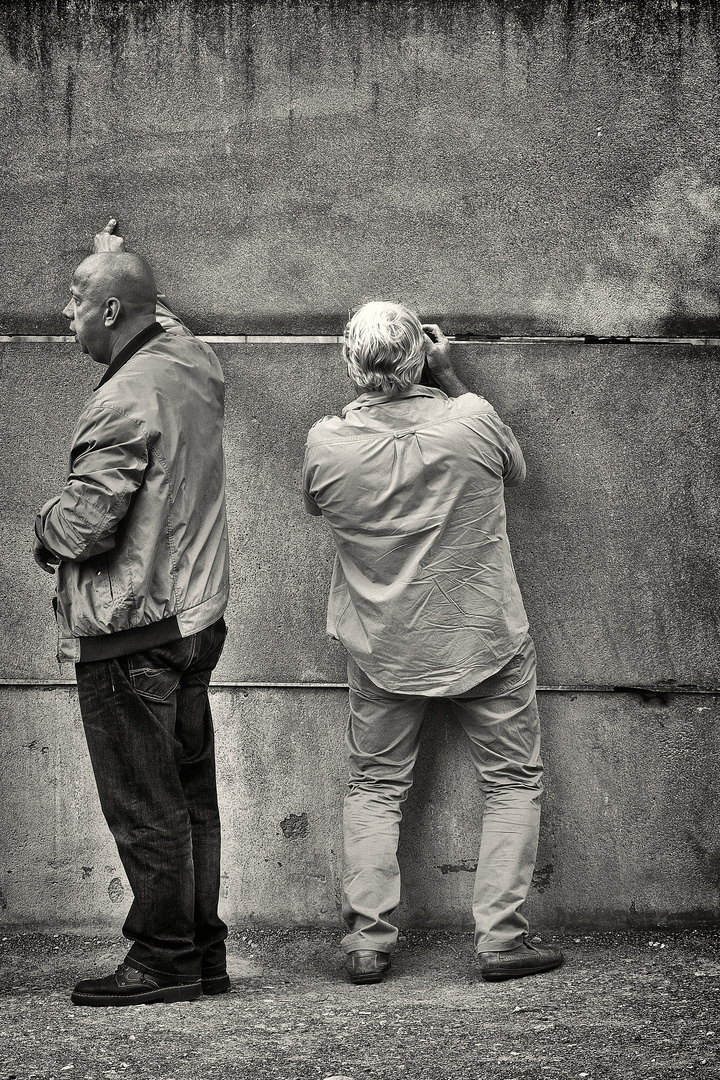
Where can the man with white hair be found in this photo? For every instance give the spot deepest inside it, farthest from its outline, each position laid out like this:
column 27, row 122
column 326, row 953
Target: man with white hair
column 410, row 481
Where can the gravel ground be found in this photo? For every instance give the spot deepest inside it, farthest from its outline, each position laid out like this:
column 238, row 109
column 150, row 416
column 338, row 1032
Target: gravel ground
column 624, row 1005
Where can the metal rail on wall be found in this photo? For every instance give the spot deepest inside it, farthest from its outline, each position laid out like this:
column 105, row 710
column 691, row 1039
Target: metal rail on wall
column 646, row 691
column 457, row 339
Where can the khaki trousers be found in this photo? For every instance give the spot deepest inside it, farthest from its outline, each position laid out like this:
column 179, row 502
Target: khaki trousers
column 501, row 720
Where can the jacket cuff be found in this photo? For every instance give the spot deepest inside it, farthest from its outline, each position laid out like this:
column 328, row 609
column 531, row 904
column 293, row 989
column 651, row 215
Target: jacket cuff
column 42, row 516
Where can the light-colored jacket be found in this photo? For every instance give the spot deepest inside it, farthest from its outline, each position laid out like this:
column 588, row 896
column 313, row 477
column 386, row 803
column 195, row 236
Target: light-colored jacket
column 140, row 525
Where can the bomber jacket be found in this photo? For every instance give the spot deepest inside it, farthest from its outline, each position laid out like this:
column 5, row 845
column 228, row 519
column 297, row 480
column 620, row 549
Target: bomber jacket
column 140, row 525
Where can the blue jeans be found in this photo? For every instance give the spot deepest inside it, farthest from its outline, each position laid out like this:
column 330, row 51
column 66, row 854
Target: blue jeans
column 150, row 735
column 500, row 718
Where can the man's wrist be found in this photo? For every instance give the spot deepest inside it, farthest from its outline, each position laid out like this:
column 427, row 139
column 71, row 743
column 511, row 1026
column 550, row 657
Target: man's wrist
column 449, row 382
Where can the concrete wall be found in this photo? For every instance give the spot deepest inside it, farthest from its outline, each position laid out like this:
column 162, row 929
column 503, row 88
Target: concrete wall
column 614, row 534
column 629, row 833
column 507, row 168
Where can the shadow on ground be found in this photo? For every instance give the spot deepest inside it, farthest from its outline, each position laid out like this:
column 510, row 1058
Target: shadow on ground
column 624, row 1005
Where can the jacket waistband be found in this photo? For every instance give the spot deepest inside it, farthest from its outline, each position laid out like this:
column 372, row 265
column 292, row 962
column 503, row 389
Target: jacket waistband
column 134, row 639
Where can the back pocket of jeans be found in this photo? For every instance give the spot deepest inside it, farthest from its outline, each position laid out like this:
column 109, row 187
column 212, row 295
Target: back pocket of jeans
column 155, row 684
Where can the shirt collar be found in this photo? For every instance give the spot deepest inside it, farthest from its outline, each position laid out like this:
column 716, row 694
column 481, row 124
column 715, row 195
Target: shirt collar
column 129, row 350
column 376, row 397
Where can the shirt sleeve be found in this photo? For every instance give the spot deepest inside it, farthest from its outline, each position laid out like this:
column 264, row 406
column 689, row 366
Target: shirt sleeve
column 311, row 507
column 504, row 442
column 108, row 461
column 514, row 462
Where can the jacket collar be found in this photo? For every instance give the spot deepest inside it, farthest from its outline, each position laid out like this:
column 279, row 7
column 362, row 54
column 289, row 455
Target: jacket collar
column 375, row 397
column 129, row 350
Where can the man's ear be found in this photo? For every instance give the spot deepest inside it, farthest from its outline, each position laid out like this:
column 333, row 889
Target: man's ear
column 113, row 308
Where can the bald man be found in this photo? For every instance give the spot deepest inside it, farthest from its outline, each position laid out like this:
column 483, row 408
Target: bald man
column 138, row 538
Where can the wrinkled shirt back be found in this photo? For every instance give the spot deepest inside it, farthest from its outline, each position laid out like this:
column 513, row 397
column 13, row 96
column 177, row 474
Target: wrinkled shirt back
column 423, row 595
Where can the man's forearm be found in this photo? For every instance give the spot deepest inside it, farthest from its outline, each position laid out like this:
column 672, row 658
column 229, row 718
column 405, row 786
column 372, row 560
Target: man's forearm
column 449, row 383
column 437, row 354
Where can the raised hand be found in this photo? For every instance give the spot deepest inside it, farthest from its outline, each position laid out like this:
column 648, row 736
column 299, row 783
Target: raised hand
column 437, row 349
column 107, row 239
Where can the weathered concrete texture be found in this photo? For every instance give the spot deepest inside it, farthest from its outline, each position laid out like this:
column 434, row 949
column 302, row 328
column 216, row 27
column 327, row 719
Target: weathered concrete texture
column 506, row 167
column 614, row 533
column 629, row 835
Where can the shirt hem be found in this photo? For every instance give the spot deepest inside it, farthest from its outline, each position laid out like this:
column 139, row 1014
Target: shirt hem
column 467, row 682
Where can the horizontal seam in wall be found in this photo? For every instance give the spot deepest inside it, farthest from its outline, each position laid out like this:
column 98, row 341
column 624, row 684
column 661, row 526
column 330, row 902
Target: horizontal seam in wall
column 335, row 339
column 560, row 688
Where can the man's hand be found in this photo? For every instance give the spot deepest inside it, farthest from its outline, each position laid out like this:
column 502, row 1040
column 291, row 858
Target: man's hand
column 107, row 239
column 437, row 349
column 437, row 352
column 44, row 558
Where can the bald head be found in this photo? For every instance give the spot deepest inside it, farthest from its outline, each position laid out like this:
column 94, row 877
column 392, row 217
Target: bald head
column 122, row 274
column 112, row 298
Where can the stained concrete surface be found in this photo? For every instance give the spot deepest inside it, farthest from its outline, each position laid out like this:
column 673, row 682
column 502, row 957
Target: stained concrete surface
column 505, row 166
column 628, row 838
column 615, row 541
column 632, row 1006
column 614, row 534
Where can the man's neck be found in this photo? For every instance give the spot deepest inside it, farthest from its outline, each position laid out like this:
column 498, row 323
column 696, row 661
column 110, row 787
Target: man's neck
column 129, row 331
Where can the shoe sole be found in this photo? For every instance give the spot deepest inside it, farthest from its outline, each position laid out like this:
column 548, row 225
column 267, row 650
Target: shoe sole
column 163, row 995
column 371, row 977
column 520, row 973
column 218, row 985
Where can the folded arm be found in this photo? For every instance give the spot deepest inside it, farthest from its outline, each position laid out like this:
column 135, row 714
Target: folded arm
column 109, row 459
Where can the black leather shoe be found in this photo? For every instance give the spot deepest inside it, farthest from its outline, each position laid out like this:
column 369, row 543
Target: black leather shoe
column 216, row 984
column 128, row 986
column 365, row 966
column 527, row 959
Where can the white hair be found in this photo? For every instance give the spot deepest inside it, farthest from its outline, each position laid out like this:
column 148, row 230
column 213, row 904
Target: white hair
column 384, row 347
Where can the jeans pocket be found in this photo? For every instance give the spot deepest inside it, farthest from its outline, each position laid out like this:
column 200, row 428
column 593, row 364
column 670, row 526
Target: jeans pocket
column 153, row 683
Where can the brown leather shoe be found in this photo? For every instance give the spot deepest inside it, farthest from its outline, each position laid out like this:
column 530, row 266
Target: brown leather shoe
column 128, row 986
column 527, row 959
column 366, row 966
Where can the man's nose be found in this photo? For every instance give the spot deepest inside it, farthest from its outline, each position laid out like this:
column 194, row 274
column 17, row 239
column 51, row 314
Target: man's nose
column 68, row 311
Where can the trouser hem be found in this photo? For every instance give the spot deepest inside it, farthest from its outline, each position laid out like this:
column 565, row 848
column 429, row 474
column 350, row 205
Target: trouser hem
column 356, row 941
column 501, row 946
column 215, row 972
column 366, row 946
